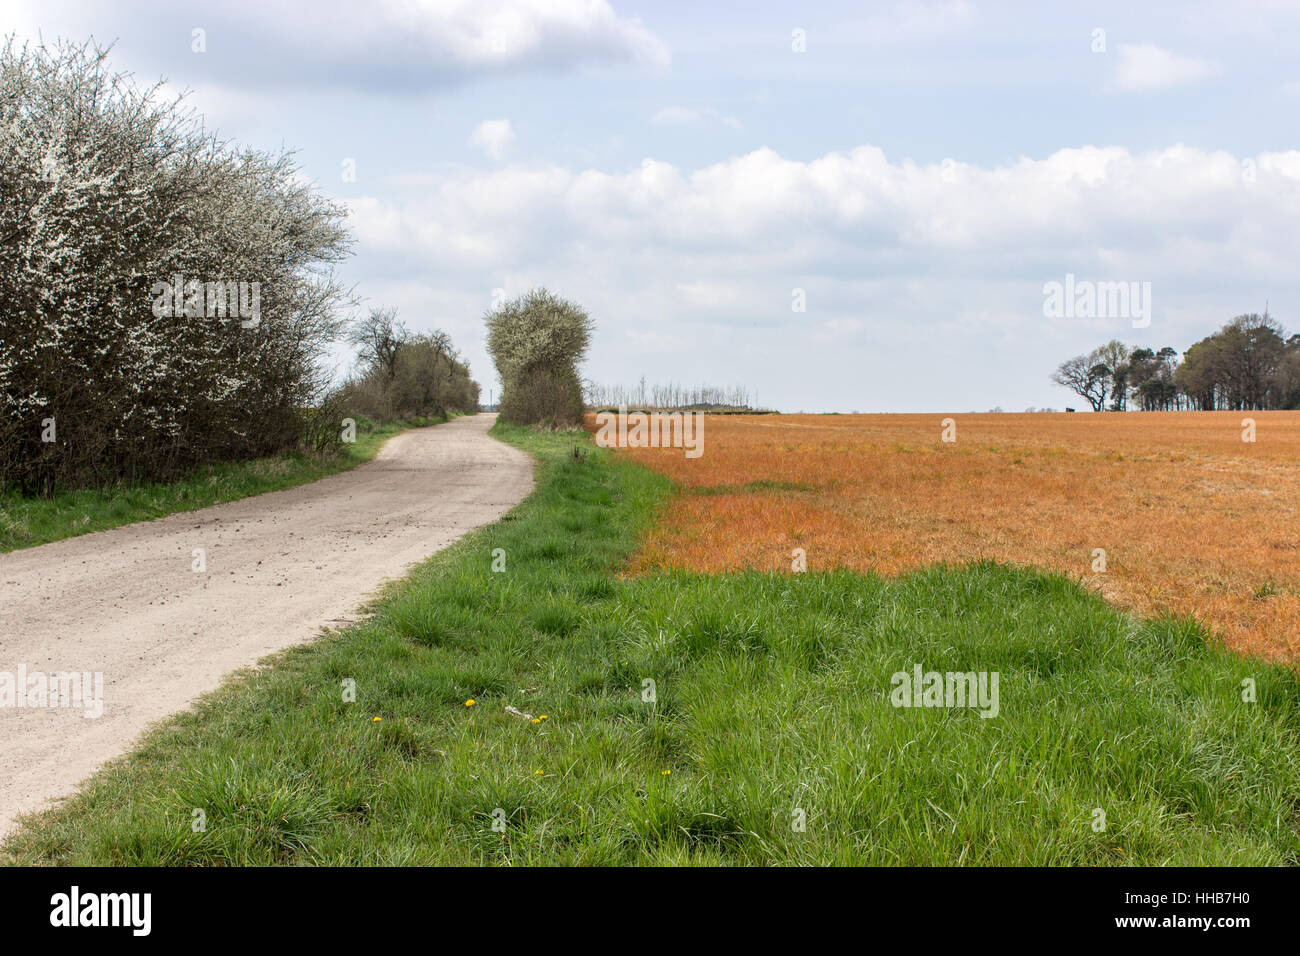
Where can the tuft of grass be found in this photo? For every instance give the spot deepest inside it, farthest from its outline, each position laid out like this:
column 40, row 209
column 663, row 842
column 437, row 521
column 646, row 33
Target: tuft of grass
column 698, row 719
column 28, row 521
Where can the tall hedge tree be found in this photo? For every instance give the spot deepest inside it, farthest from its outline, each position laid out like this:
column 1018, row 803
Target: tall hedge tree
column 537, row 341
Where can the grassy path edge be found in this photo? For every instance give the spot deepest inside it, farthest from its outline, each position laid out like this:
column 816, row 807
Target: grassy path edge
column 770, row 699
column 26, row 522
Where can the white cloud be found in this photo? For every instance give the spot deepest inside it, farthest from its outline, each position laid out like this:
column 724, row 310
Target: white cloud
column 391, row 45
column 488, row 33
column 898, row 260
column 1148, row 67
column 493, row 137
column 1073, row 201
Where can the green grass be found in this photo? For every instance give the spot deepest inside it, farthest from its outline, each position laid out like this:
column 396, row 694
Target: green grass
column 27, row 521
column 772, row 696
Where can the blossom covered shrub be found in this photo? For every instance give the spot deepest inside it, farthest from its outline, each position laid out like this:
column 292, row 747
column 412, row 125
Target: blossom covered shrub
column 537, row 342
column 165, row 297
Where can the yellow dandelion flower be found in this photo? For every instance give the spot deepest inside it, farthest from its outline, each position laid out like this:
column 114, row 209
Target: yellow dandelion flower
column 377, row 720
column 537, row 720
column 664, row 773
column 470, row 702
column 543, row 717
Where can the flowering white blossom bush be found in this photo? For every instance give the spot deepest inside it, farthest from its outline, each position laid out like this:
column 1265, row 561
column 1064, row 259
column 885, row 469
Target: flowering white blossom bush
column 107, row 190
column 536, row 342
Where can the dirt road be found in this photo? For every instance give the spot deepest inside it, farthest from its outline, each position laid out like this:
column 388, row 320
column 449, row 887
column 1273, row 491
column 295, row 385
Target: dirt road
column 129, row 604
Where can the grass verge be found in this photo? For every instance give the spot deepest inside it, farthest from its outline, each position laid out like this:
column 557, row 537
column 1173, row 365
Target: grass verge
column 28, row 521
column 771, row 708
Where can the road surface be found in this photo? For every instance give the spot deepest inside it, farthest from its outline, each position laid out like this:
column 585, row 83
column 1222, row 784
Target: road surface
column 127, row 604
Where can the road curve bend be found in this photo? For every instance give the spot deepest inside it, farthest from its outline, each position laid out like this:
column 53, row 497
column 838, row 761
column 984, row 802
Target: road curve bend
column 128, row 604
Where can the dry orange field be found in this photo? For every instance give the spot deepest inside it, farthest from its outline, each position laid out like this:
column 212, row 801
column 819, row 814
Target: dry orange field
column 1193, row 520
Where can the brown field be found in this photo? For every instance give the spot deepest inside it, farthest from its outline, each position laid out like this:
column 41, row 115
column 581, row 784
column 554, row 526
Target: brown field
column 1194, row 521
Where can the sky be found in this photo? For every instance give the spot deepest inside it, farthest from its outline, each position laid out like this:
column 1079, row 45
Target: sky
column 839, row 206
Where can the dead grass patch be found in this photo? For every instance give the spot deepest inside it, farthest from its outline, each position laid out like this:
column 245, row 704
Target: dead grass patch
column 1194, row 521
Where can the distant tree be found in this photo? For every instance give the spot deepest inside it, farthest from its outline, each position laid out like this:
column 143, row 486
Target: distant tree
column 1198, row 376
column 1259, row 348
column 1113, row 354
column 1149, row 378
column 1085, row 378
column 1236, row 367
column 1113, row 358
column 1142, row 365
column 424, row 368
column 407, row 376
column 1248, row 364
column 670, row 395
column 536, row 342
column 1119, row 387
column 379, row 337
column 1285, row 383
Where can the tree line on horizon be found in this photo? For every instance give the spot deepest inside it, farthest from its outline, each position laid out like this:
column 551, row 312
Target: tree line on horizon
column 1250, row 364
column 670, row 395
